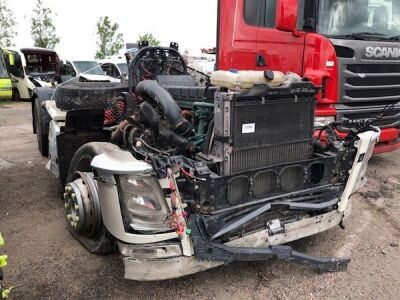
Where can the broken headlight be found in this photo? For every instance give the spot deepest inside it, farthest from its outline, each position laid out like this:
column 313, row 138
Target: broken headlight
column 143, row 204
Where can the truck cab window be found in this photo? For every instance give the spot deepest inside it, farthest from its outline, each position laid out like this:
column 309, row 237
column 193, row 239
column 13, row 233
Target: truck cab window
column 270, row 13
column 307, row 15
column 252, row 9
column 347, row 17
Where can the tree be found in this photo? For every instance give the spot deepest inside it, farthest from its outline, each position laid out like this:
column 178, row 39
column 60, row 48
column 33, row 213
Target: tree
column 42, row 27
column 7, row 25
column 150, row 38
column 110, row 40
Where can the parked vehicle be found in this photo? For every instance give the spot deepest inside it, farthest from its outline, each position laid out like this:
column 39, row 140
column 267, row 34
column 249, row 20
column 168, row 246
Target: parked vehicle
column 33, row 67
column 181, row 178
column 116, row 68
column 5, row 81
column 88, row 69
column 350, row 48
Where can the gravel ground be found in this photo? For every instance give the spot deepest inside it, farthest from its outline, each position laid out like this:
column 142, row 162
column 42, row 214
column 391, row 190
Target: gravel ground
column 46, row 262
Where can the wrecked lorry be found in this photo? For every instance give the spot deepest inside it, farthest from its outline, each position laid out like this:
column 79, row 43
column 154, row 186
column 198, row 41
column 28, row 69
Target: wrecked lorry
column 180, row 178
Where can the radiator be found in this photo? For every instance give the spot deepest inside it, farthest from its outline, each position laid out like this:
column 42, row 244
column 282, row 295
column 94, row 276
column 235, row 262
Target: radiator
column 253, row 132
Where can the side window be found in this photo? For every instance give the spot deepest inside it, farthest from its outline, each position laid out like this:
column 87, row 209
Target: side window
column 108, row 68
column 270, row 13
column 70, row 70
column 17, row 70
column 104, row 67
column 251, row 12
column 116, row 72
column 63, row 69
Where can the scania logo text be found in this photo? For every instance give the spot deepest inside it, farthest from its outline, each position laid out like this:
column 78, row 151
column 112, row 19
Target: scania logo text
column 379, row 52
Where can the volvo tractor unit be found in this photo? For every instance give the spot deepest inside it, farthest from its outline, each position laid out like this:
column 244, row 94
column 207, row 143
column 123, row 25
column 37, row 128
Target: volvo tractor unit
column 180, row 178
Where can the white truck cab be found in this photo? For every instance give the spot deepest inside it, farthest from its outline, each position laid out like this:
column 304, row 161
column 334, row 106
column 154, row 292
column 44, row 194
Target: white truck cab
column 33, row 67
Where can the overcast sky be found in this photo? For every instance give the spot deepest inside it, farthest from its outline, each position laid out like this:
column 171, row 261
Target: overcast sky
column 191, row 23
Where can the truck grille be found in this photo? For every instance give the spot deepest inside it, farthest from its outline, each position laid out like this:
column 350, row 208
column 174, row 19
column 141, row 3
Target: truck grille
column 367, row 89
column 391, row 118
column 371, row 82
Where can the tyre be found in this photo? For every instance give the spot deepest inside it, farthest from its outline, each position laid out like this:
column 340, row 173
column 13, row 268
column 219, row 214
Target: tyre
column 86, row 95
column 42, row 122
column 15, row 95
column 91, row 233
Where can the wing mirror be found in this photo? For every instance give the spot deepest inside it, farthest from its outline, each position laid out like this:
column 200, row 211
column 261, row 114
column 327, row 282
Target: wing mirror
column 286, row 15
column 11, row 60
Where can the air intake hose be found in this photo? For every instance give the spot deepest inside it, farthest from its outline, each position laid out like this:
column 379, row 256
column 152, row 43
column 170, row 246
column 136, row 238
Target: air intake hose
column 165, row 137
column 172, row 112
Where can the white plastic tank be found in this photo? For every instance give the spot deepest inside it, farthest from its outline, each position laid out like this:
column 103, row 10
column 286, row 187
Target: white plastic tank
column 235, row 80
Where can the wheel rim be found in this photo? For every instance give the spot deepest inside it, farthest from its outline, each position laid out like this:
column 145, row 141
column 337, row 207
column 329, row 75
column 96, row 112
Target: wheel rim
column 81, row 205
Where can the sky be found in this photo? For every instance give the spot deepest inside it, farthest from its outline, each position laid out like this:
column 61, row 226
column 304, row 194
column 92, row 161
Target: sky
column 190, row 23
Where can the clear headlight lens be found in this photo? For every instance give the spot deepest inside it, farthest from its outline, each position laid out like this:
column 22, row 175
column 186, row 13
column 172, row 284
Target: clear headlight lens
column 322, row 121
column 144, row 205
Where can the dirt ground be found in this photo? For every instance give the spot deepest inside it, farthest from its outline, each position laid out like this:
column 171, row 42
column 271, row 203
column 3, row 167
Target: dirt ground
column 46, row 262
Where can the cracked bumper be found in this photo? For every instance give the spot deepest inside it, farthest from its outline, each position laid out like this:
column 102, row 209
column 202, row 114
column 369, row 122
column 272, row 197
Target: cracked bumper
column 152, row 269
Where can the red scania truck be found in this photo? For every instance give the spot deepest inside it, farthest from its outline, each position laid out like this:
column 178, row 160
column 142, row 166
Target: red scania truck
column 349, row 47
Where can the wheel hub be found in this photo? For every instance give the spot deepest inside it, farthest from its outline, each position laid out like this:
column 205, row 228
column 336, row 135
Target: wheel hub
column 81, row 204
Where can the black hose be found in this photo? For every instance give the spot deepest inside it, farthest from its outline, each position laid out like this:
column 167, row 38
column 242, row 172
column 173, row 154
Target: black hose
column 165, row 137
column 172, row 112
column 150, row 117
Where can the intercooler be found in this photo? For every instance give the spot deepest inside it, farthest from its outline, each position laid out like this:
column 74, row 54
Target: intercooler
column 257, row 131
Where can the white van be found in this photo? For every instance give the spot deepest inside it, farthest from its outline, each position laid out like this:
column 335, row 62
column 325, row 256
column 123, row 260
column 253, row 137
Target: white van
column 33, row 67
column 89, row 69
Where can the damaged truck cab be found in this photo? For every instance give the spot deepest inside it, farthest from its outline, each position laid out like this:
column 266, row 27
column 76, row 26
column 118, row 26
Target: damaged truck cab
column 181, row 178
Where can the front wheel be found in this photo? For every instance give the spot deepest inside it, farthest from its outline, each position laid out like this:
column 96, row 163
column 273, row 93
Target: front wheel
column 15, row 95
column 42, row 121
column 81, row 201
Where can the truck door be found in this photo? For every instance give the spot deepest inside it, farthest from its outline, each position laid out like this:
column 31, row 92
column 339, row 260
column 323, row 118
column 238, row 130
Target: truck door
column 276, row 49
column 238, row 24
column 17, row 76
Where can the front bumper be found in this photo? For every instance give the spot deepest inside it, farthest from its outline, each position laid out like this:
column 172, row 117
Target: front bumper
column 151, row 269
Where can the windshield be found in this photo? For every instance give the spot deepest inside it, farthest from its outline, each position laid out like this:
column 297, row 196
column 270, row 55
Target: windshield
column 41, row 63
column 368, row 17
column 89, row 67
column 123, row 68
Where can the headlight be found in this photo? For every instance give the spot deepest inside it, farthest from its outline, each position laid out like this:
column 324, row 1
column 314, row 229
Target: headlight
column 143, row 203
column 322, row 121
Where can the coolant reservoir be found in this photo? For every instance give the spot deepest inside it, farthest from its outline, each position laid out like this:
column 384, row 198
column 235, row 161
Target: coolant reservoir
column 235, row 79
